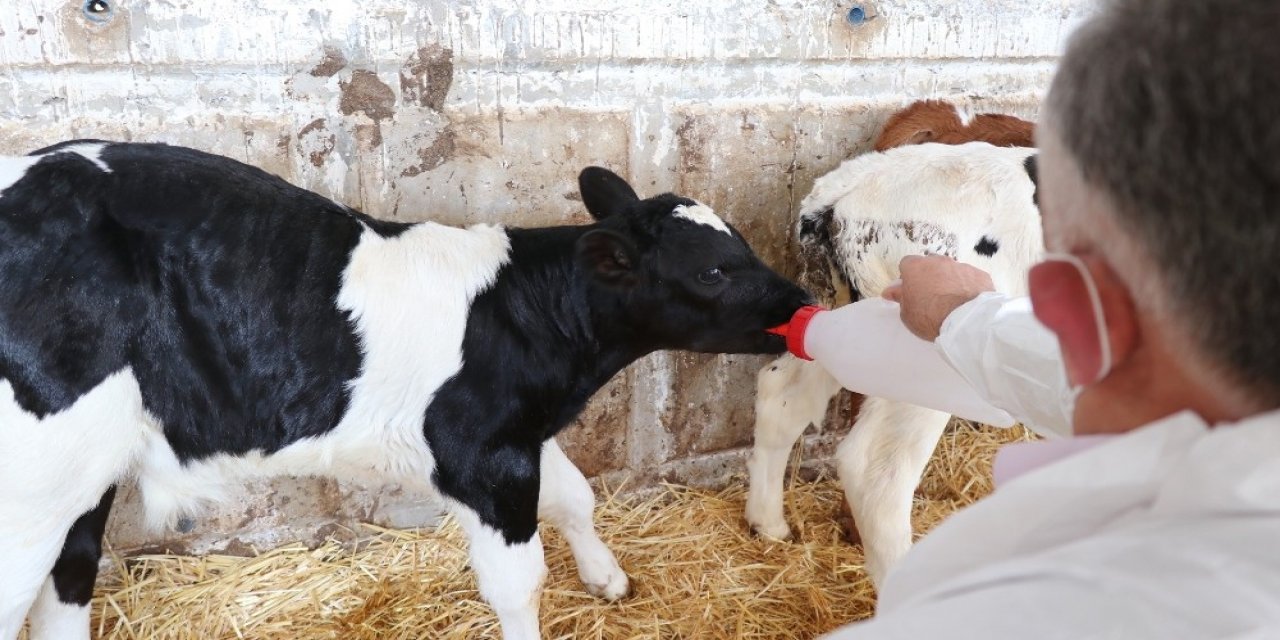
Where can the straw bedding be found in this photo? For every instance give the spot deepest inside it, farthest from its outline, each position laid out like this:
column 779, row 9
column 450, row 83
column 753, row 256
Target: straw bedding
column 696, row 570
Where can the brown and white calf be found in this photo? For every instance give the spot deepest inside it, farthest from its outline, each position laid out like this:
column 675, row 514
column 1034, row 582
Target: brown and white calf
column 188, row 321
column 973, row 202
column 943, row 122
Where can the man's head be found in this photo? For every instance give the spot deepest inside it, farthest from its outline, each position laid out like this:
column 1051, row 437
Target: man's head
column 1160, row 168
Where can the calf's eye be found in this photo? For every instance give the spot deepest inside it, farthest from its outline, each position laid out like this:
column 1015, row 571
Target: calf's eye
column 711, row 276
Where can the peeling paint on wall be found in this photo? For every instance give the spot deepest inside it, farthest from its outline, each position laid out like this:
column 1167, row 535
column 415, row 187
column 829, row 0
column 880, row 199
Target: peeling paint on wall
column 437, row 153
column 426, row 77
column 365, row 93
column 332, row 62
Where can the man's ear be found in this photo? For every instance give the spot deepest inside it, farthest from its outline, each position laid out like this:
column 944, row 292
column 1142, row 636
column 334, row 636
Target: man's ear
column 604, row 192
column 1062, row 302
column 609, row 257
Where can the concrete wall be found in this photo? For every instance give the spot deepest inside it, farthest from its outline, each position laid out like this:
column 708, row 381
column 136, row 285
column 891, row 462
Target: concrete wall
column 485, row 110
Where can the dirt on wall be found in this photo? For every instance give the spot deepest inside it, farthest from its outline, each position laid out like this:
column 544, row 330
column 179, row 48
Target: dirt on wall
column 332, row 62
column 426, row 77
column 365, row 93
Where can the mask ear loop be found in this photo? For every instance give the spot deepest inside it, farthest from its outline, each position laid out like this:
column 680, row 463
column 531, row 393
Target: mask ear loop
column 1095, row 301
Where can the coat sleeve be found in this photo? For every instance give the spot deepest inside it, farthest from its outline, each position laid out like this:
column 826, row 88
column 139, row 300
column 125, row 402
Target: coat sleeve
column 1039, row 607
column 998, row 346
column 1152, row 576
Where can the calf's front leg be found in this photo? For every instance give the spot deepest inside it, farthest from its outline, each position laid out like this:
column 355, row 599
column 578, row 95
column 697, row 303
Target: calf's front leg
column 791, row 394
column 495, row 499
column 567, row 502
column 510, row 574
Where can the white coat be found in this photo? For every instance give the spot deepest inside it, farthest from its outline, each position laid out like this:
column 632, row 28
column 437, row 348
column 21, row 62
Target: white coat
column 1168, row 531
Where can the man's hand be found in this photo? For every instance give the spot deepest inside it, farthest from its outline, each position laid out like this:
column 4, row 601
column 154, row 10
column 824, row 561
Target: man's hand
column 931, row 288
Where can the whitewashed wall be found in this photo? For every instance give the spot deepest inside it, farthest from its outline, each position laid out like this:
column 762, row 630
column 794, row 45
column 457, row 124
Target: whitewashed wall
column 485, row 110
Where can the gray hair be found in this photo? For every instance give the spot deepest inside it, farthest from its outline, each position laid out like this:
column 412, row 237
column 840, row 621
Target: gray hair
column 1172, row 108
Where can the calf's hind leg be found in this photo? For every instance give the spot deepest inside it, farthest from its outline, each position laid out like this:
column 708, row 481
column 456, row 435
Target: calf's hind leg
column 52, row 467
column 51, row 562
column 61, row 611
column 880, row 463
column 26, row 557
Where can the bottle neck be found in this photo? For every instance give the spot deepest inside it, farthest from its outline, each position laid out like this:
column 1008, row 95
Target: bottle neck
column 795, row 328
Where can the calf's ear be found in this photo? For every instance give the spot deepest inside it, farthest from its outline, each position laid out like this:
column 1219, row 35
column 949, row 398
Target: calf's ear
column 604, row 192
column 609, row 257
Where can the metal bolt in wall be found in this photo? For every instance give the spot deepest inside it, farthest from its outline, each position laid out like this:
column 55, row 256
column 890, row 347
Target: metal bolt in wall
column 857, row 15
column 97, row 10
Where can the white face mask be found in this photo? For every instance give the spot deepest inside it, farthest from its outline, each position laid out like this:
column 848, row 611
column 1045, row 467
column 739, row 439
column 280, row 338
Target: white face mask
column 1100, row 326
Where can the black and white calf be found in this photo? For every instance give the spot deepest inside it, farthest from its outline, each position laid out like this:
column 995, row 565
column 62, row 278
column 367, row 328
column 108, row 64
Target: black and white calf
column 973, row 202
column 189, row 321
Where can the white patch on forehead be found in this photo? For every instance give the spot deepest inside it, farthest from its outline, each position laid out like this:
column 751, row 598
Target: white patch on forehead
column 91, row 151
column 965, row 113
column 12, row 169
column 702, row 214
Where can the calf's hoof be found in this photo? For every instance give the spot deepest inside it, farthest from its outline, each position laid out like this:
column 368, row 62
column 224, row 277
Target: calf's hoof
column 776, row 531
column 849, row 525
column 617, row 587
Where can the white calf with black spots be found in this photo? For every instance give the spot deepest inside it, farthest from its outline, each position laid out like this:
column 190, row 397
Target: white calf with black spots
column 973, row 202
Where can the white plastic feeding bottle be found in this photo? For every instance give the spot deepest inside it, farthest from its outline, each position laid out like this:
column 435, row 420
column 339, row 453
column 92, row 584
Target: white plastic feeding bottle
column 866, row 348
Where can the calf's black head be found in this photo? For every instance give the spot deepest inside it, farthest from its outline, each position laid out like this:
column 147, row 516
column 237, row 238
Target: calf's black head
column 677, row 275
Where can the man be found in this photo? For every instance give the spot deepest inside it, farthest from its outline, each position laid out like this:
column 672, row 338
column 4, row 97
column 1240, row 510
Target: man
column 1160, row 188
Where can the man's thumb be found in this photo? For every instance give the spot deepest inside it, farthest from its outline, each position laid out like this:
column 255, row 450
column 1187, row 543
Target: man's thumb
column 893, row 292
